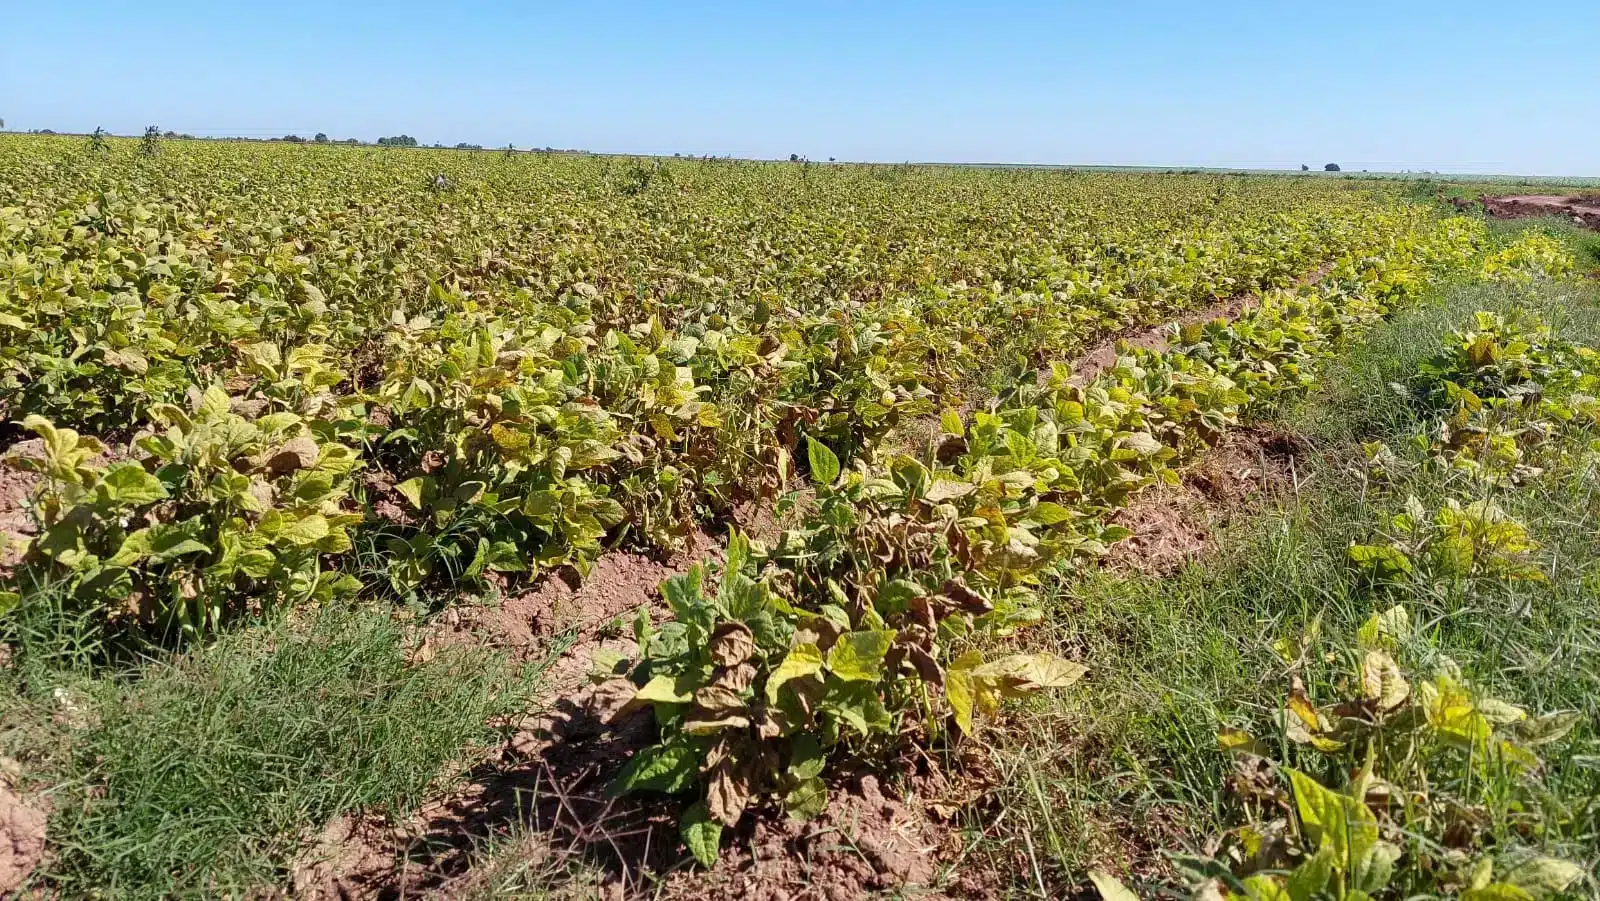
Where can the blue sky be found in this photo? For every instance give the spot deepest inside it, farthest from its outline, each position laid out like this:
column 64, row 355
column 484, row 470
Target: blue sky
column 1462, row 86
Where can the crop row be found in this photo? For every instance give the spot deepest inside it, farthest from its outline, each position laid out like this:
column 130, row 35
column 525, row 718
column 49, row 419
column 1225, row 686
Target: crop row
column 507, row 374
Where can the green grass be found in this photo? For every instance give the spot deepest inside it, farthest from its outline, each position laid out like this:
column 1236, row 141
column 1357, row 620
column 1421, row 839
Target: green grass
column 1126, row 771
column 203, row 774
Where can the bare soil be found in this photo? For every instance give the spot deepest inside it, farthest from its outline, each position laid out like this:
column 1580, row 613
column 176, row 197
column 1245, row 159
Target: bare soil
column 1583, row 210
column 16, row 525
column 22, row 834
column 1173, row 525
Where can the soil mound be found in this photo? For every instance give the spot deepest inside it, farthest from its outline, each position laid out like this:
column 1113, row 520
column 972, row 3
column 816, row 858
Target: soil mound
column 1582, row 210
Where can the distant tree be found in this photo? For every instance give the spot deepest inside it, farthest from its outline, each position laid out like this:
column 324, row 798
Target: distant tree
column 833, row 159
column 398, row 141
column 465, row 146
column 352, row 140
column 2, row 123
column 1331, row 167
column 320, row 138
column 293, row 139
column 1304, row 168
column 794, row 157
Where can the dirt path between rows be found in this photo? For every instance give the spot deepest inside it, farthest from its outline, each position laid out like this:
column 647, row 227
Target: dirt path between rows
column 1103, row 356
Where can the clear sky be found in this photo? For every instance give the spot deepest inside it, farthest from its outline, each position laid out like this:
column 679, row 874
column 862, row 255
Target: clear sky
column 1460, row 86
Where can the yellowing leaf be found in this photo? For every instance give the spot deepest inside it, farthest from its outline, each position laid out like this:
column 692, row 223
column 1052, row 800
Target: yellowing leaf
column 858, row 656
column 1111, row 888
column 802, row 661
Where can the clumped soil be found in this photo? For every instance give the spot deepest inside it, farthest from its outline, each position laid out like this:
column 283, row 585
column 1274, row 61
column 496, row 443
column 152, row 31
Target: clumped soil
column 1173, row 525
column 22, row 833
column 1581, row 209
column 16, row 486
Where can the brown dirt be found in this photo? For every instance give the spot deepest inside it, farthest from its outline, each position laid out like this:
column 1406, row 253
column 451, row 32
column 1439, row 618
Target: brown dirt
column 22, row 834
column 867, row 841
column 1581, row 209
column 562, row 603
column 548, row 780
column 1173, row 525
column 16, row 486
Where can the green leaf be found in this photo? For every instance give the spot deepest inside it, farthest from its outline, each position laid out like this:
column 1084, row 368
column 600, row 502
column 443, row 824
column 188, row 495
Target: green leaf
column 1308, row 879
column 1144, row 443
column 305, row 531
column 1373, row 869
column 1333, row 822
column 1497, row 891
column 1265, row 888
column 806, row 757
column 1542, row 877
column 1542, row 730
column 802, row 661
column 858, row 656
column 1382, row 560
column 824, row 463
column 128, row 483
column 412, row 490
column 688, row 602
column 666, row 690
column 1110, row 887
column 857, row 704
column 807, row 800
column 701, row 834
column 668, row 769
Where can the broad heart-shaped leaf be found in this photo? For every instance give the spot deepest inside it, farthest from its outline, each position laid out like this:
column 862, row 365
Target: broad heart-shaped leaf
column 668, row 769
column 1110, row 887
column 857, row 704
column 1144, row 443
column 701, row 834
column 1333, row 822
column 824, row 462
column 1021, row 673
column 305, row 530
column 858, row 656
column 129, row 485
column 413, row 490
column 688, row 602
column 803, row 660
column 1542, row 877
